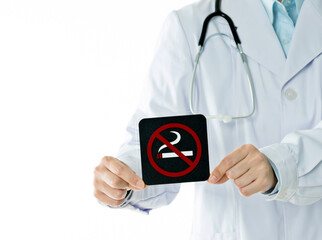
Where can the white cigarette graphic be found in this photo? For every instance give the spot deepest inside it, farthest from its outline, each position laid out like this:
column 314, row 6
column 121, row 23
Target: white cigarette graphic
column 172, row 154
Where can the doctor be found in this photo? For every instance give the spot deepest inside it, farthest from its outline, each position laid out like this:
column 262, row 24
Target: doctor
column 274, row 157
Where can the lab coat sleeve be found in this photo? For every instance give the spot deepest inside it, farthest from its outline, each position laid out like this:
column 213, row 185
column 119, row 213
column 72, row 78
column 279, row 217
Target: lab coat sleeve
column 164, row 94
column 298, row 159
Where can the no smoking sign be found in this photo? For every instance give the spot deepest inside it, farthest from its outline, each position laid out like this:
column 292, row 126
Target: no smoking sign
column 174, row 149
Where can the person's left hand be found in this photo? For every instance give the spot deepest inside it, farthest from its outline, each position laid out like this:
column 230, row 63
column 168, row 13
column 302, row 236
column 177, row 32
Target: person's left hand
column 248, row 167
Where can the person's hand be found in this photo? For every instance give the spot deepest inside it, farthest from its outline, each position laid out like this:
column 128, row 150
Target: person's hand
column 248, row 168
column 112, row 179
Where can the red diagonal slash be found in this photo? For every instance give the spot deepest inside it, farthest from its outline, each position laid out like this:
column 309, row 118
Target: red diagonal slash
column 174, row 149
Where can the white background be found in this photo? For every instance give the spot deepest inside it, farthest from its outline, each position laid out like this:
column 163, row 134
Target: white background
column 70, row 77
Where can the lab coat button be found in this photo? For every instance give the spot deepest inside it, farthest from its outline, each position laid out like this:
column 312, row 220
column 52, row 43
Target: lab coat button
column 290, row 94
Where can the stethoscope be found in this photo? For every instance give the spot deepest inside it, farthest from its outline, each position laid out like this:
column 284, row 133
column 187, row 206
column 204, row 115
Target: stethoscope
column 202, row 41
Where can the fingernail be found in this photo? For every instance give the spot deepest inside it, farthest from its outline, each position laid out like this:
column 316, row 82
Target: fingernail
column 140, row 184
column 212, row 179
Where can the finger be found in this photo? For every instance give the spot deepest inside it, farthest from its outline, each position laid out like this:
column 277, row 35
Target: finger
column 220, row 181
column 103, row 198
column 223, row 179
column 250, row 189
column 228, row 162
column 239, row 169
column 117, row 194
column 245, row 179
column 111, row 179
column 124, row 172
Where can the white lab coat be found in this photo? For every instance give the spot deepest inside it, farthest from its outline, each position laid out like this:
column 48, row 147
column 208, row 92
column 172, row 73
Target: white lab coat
column 286, row 126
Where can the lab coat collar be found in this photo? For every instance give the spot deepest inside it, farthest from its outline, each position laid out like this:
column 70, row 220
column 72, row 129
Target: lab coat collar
column 260, row 41
column 307, row 39
column 257, row 34
column 268, row 5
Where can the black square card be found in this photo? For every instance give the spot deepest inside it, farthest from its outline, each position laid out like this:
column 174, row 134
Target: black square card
column 174, row 149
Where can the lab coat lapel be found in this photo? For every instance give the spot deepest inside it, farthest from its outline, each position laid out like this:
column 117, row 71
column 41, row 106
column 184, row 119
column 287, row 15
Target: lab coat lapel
column 307, row 39
column 257, row 34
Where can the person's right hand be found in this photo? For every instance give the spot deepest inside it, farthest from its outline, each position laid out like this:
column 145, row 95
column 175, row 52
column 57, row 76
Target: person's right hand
column 112, row 179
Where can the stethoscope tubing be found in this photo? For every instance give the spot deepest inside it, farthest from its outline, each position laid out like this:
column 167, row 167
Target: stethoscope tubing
column 202, row 41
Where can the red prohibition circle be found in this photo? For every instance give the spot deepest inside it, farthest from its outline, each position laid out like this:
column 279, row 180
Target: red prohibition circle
column 154, row 136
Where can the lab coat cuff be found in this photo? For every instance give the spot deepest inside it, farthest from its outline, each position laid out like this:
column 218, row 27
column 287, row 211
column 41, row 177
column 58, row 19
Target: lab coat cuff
column 135, row 197
column 286, row 168
column 126, row 201
column 130, row 199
